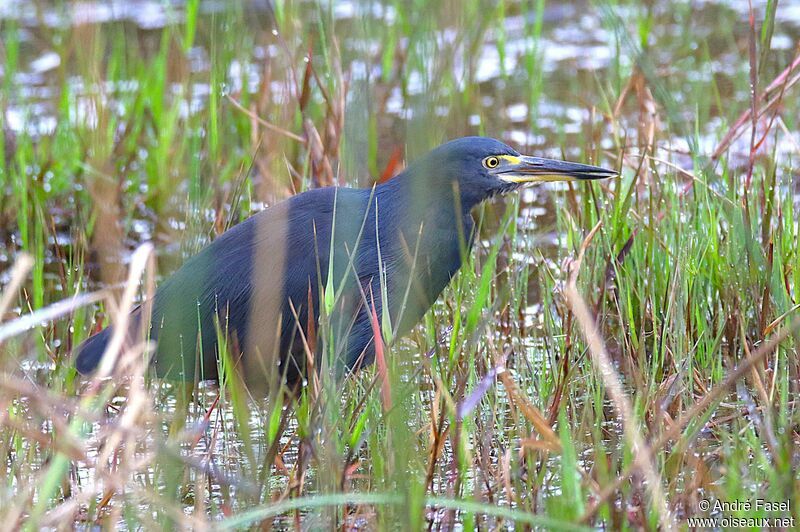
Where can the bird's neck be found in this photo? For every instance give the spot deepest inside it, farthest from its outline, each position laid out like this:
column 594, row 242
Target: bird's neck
column 426, row 196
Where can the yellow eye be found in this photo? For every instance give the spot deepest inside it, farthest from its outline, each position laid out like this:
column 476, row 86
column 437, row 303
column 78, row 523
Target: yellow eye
column 491, row 162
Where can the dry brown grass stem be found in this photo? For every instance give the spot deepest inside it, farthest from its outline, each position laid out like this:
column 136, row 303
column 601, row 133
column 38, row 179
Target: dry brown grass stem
column 49, row 313
column 264, row 123
column 117, row 461
column 773, row 94
column 534, row 416
column 21, row 267
column 699, row 409
column 142, row 257
column 724, row 387
column 642, row 454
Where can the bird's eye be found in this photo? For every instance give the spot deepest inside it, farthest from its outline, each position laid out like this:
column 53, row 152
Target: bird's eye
column 491, row 162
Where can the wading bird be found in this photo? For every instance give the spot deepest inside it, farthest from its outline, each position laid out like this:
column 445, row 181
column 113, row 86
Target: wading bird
column 357, row 255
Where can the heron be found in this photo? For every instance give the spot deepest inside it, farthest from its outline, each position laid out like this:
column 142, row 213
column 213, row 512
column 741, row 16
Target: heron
column 354, row 256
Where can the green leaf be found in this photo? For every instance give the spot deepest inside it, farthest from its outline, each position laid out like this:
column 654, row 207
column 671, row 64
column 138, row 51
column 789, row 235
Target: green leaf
column 571, row 491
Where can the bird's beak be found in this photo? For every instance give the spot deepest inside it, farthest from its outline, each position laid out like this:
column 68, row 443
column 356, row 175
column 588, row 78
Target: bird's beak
column 525, row 169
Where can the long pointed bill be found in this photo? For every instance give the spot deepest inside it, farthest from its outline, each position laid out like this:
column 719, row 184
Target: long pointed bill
column 525, row 169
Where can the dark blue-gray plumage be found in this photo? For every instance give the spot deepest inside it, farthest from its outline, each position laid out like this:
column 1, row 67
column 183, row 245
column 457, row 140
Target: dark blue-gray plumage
column 259, row 285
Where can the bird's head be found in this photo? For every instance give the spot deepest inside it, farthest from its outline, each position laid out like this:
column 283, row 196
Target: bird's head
column 482, row 167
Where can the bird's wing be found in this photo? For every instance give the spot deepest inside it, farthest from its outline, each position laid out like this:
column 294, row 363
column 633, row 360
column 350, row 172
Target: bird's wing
column 257, row 284
column 239, row 285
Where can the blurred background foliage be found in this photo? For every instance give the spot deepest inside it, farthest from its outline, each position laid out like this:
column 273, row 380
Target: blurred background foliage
column 126, row 122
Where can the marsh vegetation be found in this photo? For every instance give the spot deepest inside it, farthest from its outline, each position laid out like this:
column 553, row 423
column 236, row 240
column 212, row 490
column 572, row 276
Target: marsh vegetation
column 610, row 356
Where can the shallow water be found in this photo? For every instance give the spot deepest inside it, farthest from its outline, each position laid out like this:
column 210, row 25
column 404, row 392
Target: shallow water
column 691, row 44
column 576, row 46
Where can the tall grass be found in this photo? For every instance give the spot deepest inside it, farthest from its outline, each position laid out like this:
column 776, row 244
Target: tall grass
column 609, row 355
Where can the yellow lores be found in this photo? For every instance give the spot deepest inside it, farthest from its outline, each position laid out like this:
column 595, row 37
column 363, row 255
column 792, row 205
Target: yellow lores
column 524, row 169
column 513, row 159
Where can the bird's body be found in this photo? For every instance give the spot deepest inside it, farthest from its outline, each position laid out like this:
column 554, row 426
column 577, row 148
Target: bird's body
column 259, row 285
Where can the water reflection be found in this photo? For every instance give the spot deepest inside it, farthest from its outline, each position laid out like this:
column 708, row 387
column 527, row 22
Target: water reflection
column 690, row 46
